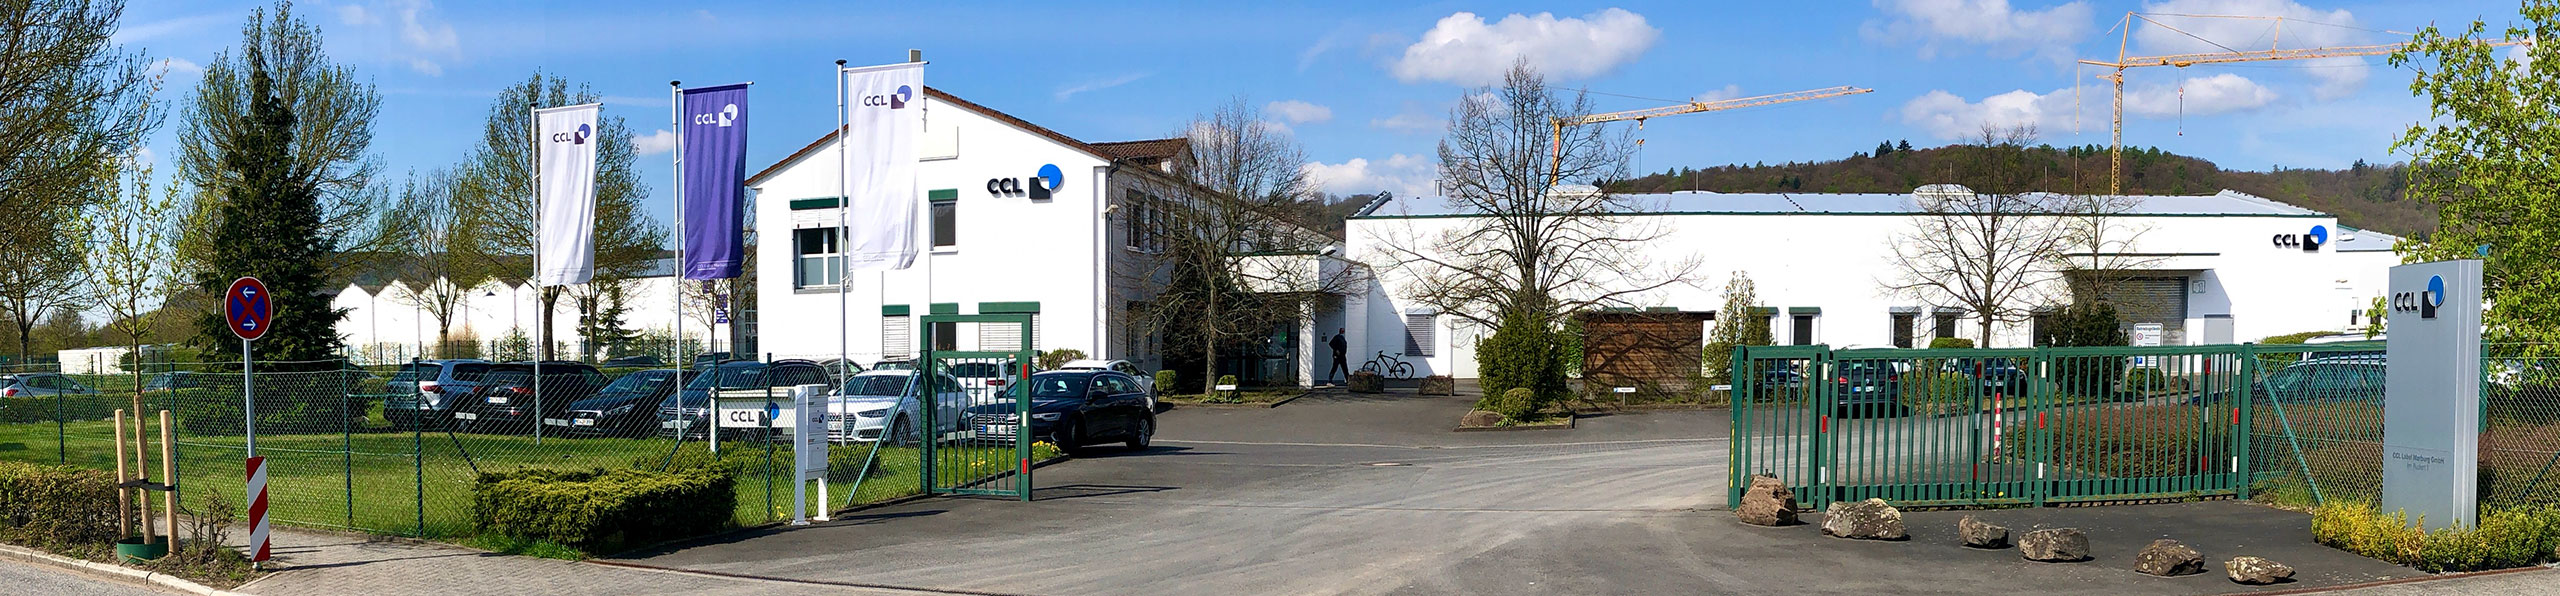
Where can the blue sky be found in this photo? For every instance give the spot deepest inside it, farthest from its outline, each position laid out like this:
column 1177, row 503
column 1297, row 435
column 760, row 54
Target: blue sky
column 1367, row 85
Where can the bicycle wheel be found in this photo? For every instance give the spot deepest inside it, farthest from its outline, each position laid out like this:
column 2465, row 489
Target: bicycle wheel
column 1401, row 371
column 1369, row 367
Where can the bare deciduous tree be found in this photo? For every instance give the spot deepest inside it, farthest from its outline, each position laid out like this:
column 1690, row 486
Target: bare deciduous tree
column 1992, row 255
column 1542, row 239
column 434, row 238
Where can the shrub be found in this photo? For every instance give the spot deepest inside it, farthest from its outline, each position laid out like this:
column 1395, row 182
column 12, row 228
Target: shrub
column 287, row 404
column 2091, row 324
column 2504, row 539
column 1051, row 360
column 1521, row 354
column 1367, row 382
column 1938, row 392
column 1950, row 342
column 1517, row 404
column 25, row 410
column 597, row 509
column 2146, row 380
column 1165, row 379
column 1224, row 381
column 56, row 507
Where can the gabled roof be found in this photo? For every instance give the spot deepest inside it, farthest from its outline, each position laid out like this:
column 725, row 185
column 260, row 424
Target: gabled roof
column 2224, row 203
column 939, row 94
column 1148, row 150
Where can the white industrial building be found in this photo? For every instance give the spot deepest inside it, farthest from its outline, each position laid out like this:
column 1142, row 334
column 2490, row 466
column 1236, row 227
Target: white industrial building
column 387, row 320
column 2219, row 268
column 1006, row 239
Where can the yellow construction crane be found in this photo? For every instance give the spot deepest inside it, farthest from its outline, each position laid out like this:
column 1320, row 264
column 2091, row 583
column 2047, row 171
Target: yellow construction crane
column 1688, row 108
column 2115, row 139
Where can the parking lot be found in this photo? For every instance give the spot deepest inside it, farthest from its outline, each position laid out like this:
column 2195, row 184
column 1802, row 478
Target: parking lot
column 1338, row 493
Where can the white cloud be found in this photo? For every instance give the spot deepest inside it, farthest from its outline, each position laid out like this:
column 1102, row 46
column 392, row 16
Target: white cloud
column 355, row 14
column 1405, row 175
column 2522, row 56
column 1993, row 24
column 2205, row 96
column 1098, row 85
column 1728, row 92
column 2304, row 27
column 1412, row 119
column 1463, row 49
column 1948, row 116
column 177, row 66
column 426, row 67
column 654, row 143
column 1299, row 112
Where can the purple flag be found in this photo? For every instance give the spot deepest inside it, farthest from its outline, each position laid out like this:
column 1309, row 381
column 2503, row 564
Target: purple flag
column 715, row 172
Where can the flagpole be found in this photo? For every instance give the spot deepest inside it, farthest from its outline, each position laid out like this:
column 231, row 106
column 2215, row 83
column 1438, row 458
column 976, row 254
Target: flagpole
column 675, row 119
column 541, row 313
column 843, row 272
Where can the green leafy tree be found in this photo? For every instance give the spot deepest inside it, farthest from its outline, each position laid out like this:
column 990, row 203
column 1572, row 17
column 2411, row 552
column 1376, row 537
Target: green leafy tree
column 270, row 224
column 1737, row 324
column 495, row 188
column 130, row 262
column 330, row 141
column 70, row 101
column 2485, row 158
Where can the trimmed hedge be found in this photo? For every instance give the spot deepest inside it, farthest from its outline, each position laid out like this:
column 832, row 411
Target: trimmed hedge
column 1950, row 342
column 287, row 404
column 1517, row 404
column 1164, row 381
column 56, row 507
column 599, row 509
column 73, row 408
column 2504, row 539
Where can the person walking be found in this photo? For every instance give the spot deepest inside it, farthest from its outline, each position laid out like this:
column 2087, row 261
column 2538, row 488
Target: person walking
column 1339, row 363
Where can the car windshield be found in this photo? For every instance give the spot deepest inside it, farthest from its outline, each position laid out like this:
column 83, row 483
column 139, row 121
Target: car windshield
column 1059, row 385
column 976, row 370
column 876, row 385
column 641, row 382
column 744, row 375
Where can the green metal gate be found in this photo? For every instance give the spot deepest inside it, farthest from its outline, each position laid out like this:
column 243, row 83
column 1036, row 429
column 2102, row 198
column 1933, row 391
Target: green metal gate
column 2027, row 426
column 974, row 441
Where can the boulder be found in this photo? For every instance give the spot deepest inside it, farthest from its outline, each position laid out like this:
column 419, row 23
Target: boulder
column 1982, row 534
column 1484, row 419
column 1439, row 385
column 1871, row 519
column 1767, row 502
column 2054, row 545
column 1367, row 382
column 2256, row 571
column 2168, row 558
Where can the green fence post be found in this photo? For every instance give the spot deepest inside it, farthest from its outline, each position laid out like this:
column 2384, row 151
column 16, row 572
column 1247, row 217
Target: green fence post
column 2042, row 393
column 61, row 452
column 2244, row 467
column 418, row 458
column 1737, row 459
column 347, row 440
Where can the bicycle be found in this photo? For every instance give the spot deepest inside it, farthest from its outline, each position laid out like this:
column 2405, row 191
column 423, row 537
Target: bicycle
column 1388, row 366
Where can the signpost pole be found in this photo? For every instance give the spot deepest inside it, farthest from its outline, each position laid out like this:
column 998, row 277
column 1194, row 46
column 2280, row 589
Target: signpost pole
column 248, row 400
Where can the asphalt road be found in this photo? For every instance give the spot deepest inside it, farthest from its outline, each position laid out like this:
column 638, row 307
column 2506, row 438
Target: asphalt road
column 1353, row 495
column 23, row 578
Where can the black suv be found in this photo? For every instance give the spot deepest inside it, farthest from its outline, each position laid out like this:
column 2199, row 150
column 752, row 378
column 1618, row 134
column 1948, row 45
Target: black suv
column 504, row 400
column 627, row 407
column 1073, row 410
column 1868, row 387
column 423, row 393
column 689, row 411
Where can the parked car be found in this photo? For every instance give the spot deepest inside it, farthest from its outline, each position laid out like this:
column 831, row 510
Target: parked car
column 173, row 381
column 688, row 412
column 1146, row 381
column 41, row 385
column 885, row 400
column 894, row 364
column 2331, row 379
column 1868, row 387
column 626, row 407
column 1780, row 375
column 422, row 393
column 635, row 361
column 1073, row 410
column 505, row 400
column 1995, row 375
column 707, row 359
column 981, row 378
column 839, row 369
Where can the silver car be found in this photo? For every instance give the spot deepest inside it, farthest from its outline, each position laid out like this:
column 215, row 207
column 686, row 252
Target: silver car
column 41, row 385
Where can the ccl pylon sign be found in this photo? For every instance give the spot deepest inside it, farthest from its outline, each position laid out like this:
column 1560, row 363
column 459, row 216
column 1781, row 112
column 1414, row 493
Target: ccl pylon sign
column 2431, row 448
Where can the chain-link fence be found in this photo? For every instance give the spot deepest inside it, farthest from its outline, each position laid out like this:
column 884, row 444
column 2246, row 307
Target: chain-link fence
column 395, row 449
column 2317, row 429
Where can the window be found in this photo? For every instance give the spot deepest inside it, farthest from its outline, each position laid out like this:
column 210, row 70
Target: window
column 946, row 224
column 897, row 336
column 1419, row 334
column 1946, row 324
column 819, row 262
column 946, row 336
column 1144, row 223
column 1903, row 325
column 1803, row 329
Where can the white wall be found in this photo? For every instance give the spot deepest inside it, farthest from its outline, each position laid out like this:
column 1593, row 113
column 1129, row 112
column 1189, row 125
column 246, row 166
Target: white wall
column 388, row 326
column 1010, row 248
column 1842, row 262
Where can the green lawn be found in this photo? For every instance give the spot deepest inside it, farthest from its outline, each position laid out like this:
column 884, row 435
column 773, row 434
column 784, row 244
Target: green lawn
column 420, row 484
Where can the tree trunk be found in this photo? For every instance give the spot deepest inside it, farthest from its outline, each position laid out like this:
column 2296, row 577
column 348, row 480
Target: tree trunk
column 550, row 304
column 1209, row 344
column 1986, row 331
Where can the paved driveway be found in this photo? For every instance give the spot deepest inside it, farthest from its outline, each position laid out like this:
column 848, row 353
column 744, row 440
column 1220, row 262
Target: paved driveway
column 1373, row 495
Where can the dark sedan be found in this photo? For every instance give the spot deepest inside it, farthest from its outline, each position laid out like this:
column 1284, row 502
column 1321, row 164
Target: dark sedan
column 624, row 408
column 689, row 411
column 505, row 400
column 1074, row 410
column 1869, row 387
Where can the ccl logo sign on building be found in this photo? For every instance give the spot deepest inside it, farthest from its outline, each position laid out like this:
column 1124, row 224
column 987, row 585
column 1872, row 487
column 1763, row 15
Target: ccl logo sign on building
column 2308, row 242
column 2424, row 302
column 1038, row 187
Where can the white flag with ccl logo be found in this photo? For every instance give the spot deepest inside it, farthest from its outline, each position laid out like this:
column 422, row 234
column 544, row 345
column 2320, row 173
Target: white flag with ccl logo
column 882, row 114
column 565, row 186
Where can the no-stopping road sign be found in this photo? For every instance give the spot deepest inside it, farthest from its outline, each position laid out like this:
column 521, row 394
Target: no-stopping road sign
column 248, row 308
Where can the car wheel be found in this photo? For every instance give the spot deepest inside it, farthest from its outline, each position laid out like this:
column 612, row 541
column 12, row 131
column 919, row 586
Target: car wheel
column 901, row 432
column 1069, row 436
column 1146, row 432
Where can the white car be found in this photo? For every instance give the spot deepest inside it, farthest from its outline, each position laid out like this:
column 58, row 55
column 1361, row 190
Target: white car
column 880, row 400
column 1146, row 381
